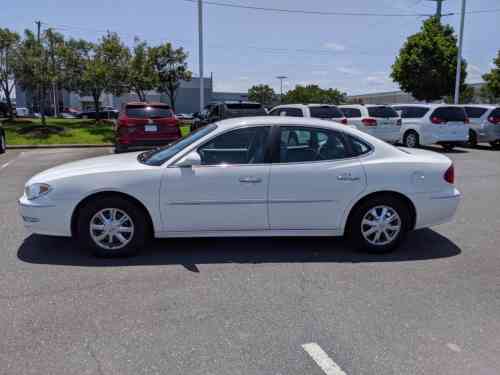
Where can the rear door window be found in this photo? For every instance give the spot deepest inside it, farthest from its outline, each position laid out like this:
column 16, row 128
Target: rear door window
column 411, row 112
column 351, row 112
column 453, row 114
column 382, row 111
column 143, row 111
column 325, row 112
column 475, row 112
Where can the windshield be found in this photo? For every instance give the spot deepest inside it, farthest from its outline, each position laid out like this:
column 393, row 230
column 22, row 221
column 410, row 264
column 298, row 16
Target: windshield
column 161, row 155
column 142, row 111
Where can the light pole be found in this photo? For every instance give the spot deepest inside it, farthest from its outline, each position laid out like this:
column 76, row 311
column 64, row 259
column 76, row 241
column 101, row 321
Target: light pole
column 200, row 53
column 281, row 78
column 459, row 54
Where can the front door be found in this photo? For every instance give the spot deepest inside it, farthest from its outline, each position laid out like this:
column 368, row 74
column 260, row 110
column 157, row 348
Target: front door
column 314, row 180
column 227, row 192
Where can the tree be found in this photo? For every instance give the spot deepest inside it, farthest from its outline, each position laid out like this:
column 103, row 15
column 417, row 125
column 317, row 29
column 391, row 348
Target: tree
column 426, row 64
column 263, row 94
column 172, row 69
column 141, row 73
column 466, row 95
column 9, row 43
column 94, row 69
column 314, row 94
column 491, row 88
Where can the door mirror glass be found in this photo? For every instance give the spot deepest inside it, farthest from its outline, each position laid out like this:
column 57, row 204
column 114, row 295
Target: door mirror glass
column 190, row 160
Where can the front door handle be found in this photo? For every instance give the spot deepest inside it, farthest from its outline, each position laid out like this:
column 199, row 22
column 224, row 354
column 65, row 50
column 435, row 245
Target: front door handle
column 250, row 180
column 347, row 177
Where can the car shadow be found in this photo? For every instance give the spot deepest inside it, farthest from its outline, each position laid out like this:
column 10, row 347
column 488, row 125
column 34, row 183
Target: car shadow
column 484, row 148
column 441, row 150
column 423, row 244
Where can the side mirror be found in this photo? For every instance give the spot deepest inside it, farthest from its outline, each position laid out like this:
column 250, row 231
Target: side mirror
column 192, row 159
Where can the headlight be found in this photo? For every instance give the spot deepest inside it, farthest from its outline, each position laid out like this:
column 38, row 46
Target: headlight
column 35, row 191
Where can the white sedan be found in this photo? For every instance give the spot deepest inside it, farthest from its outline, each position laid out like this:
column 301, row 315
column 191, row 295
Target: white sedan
column 262, row 176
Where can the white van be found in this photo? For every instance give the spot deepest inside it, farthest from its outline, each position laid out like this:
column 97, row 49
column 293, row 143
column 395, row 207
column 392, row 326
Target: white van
column 381, row 121
column 484, row 124
column 426, row 124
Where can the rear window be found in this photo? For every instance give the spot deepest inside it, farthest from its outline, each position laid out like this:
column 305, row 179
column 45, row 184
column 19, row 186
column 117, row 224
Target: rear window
column 143, row 111
column 475, row 112
column 382, row 111
column 450, row 113
column 325, row 112
column 351, row 112
column 412, row 112
column 244, row 106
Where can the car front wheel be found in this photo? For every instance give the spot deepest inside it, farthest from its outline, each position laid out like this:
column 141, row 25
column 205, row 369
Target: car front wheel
column 411, row 139
column 379, row 224
column 3, row 145
column 112, row 227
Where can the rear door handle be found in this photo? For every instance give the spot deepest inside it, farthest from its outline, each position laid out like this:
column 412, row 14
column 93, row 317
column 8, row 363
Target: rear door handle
column 250, row 180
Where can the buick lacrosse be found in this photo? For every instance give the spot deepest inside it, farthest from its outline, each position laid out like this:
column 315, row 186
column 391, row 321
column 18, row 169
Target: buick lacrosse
column 261, row 176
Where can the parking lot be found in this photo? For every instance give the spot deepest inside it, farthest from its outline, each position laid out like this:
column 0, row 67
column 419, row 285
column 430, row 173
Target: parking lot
column 250, row 306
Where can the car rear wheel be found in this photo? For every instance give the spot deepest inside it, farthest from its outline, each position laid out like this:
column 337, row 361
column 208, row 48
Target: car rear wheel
column 379, row 224
column 411, row 139
column 120, row 149
column 472, row 138
column 448, row 146
column 495, row 145
column 3, row 145
column 112, row 227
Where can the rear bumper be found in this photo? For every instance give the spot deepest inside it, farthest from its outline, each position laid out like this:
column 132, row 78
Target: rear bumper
column 461, row 136
column 437, row 208
column 141, row 143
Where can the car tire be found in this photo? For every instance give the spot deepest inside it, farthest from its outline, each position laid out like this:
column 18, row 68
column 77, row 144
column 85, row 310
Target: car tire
column 448, row 146
column 366, row 223
column 119, row 149
column 95, row 221
column 495, row 145
column 3, row 143
column 472, row 138
column 411, row 139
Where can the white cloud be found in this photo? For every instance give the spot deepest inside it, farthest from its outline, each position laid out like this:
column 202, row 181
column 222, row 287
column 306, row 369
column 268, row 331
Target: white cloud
column 492, row 66
column 334, row 46
column 348, row 70
column 474, row 73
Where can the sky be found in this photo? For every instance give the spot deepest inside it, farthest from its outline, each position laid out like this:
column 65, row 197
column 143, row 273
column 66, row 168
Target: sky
column 245, row 47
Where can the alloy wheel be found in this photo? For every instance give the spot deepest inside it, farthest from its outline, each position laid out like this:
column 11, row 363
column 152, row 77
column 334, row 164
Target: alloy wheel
column 111, row 229
column 380, row 225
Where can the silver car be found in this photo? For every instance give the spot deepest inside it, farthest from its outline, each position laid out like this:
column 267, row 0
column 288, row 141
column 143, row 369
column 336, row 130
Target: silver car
column 484, row 124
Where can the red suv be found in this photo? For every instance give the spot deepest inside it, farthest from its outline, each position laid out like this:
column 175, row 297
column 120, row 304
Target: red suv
column 146, row 124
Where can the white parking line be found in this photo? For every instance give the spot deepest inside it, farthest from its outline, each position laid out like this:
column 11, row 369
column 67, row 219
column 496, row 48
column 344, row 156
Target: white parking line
column 322, row 359
column 5, row 165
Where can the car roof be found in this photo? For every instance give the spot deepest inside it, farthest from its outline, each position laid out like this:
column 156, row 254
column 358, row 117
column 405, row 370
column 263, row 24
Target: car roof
column 428, row 105
column 147, row 103
column 488, row 106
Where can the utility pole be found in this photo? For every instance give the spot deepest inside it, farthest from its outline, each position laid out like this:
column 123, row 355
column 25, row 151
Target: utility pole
column 200, row 53
column 459, row 54
column 439, row 8
column 281, row 78
column 38, row 28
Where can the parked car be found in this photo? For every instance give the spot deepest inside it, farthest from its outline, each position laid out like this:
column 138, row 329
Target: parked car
column 426, row 124
column 104, row 114
column 3, row 141
column 321, row 111
column 229, row 109
column 381, row 121
column 22, row 112
column 335, row 181
column 146, row 124
column 484, row 124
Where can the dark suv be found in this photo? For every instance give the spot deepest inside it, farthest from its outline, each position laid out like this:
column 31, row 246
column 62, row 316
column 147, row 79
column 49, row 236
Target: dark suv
column 224, row 110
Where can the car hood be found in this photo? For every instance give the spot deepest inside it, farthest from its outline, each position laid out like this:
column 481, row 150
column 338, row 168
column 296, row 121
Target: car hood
column 101, row 164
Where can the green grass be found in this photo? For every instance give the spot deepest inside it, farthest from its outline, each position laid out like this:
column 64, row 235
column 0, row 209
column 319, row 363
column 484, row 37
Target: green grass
column 77, row 131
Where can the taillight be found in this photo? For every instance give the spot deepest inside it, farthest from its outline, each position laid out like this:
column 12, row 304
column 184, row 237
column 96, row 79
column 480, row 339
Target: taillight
column 368, row 121
column 494, row 120
column 437, row 120
column 399, row 122
column 449, row 175
column 343, row 121
column 466, row 121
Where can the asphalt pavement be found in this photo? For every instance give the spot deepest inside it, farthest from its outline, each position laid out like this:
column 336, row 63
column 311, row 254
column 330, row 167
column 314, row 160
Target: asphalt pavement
column 254, row 306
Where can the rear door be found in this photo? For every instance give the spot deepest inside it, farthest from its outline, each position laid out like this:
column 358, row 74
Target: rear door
column 313, row 178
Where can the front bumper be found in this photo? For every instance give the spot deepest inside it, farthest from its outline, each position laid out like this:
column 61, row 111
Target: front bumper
column 437, row 208
column 44, row 217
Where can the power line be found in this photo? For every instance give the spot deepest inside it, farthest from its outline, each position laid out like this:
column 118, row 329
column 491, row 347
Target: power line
column 311, row 12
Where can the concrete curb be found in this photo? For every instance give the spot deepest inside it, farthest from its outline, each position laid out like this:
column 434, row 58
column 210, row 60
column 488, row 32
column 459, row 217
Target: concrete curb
column 19, row 147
